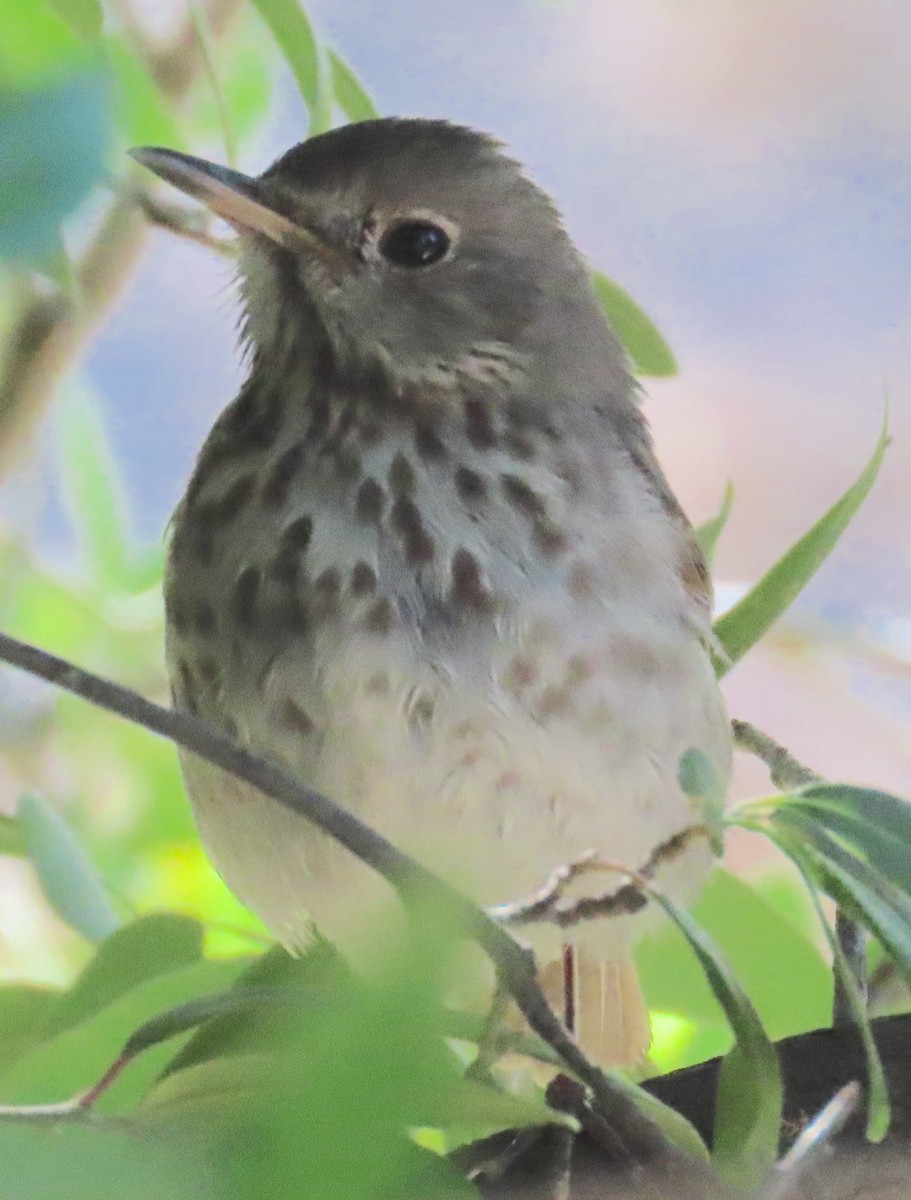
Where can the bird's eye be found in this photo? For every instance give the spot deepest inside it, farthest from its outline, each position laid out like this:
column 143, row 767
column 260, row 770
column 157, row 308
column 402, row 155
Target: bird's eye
column 414, row 244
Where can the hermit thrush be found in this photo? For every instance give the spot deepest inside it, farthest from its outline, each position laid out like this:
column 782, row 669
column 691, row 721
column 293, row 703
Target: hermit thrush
column 427, row 558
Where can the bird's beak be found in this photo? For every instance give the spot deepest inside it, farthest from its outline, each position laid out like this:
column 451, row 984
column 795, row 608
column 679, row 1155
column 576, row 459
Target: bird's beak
column 234, row 197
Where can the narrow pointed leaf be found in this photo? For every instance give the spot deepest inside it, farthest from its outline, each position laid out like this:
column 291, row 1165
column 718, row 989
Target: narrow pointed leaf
column 350, row 94
column 649, row 352
column 708, row 533
column 743, row 625
column 750, row 1097
column 68, row 879
column 292, row 30
column 877, row 1098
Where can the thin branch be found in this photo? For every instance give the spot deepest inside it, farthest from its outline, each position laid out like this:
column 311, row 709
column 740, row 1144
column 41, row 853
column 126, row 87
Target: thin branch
column 546, row 903
column 785, row 770
column 50, row 333
column 642, row 1139
column 787, row 773
column 194, row 224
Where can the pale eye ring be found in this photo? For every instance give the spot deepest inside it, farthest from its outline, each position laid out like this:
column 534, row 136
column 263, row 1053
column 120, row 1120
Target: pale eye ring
column 414, row 243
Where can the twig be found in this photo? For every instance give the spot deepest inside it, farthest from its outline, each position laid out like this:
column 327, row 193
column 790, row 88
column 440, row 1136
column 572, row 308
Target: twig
column 546, row 904
column 812, row 1142
column 785, row 770
column 641, row 1137
column 194, row 224
column 50, row 332
column 786, row 773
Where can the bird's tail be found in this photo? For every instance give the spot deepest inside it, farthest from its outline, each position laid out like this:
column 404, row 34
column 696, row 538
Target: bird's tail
column 605, row 1004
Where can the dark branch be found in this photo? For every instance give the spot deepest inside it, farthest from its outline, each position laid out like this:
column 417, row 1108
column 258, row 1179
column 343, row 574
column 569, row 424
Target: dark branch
column 641, row 1138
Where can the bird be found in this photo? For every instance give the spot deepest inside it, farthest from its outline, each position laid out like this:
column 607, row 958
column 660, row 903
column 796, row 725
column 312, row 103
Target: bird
column 427, row 558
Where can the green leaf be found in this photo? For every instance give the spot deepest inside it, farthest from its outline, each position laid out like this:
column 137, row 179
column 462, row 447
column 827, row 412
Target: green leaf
column 73, row 1060
column 153, row 945
column 72, row 1162
column 214, row 77
column 350, row 94
column 52, row 143
column 749, row 1102
column 708, row 533
column 699, row 780
column 291, row 28
column 763, row 947
column 144, row 116
column 67, row 877
column 744, row 624
column 94, row 496
column 244, row 1027
column 877, row 1098
column 23, row 1011
column 36, row 39
column 649, row 352
column 862, row 891
column 11, row 839
column 247, row 70
column 84, row 17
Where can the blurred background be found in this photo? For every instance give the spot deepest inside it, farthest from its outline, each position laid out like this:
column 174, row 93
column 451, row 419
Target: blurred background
column 743, row 170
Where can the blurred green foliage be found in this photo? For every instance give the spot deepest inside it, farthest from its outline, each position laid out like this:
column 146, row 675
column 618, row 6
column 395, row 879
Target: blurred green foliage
column 227, row 1055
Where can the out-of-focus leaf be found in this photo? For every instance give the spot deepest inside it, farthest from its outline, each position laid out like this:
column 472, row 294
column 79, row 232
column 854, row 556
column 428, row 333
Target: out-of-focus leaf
column 73, row 1161
column 52, row 143
column 36, row 39
column 152, row 945
column 76, row 1058
column 11, row 839
column 863, row 892
column 294, row 34
column 247, row 71
column 144, row 117
column 749, row 1102
column 95, row 499
column 84, row 17
column 699, row 780
column 23, row 1011
column 708, row 533
column 776, row 949
column 350, row 94
column 649, row 352
column 674, row 1126
column 65, row 872
column 244, row 1028
column 876, row 1101
column 213, row 74
column 743, row 625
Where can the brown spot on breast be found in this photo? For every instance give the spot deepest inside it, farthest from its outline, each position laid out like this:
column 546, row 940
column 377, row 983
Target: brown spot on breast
column 520, row 673
column 406, row 520
column 428, row 442
column 520, row 444
column 363, row 579
column 420, row 710
column 401, row 476
column 521, row 496
column 244, row 596
column 208, row 670
column 296, row 536
column 204, row 618
column 579, row 669
column 326, row 588
column 549, row 540
column 254, row 420
column 369, row 430
column 348, row 466
column 235, row 499
column 470, row 485
column 380, row 617
column 469, row 591
column 296, row 718
column 277, row 487
column 188, row 696
column 370, row 502
column 479, row 425
column 555, row 702
column 378, row 684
